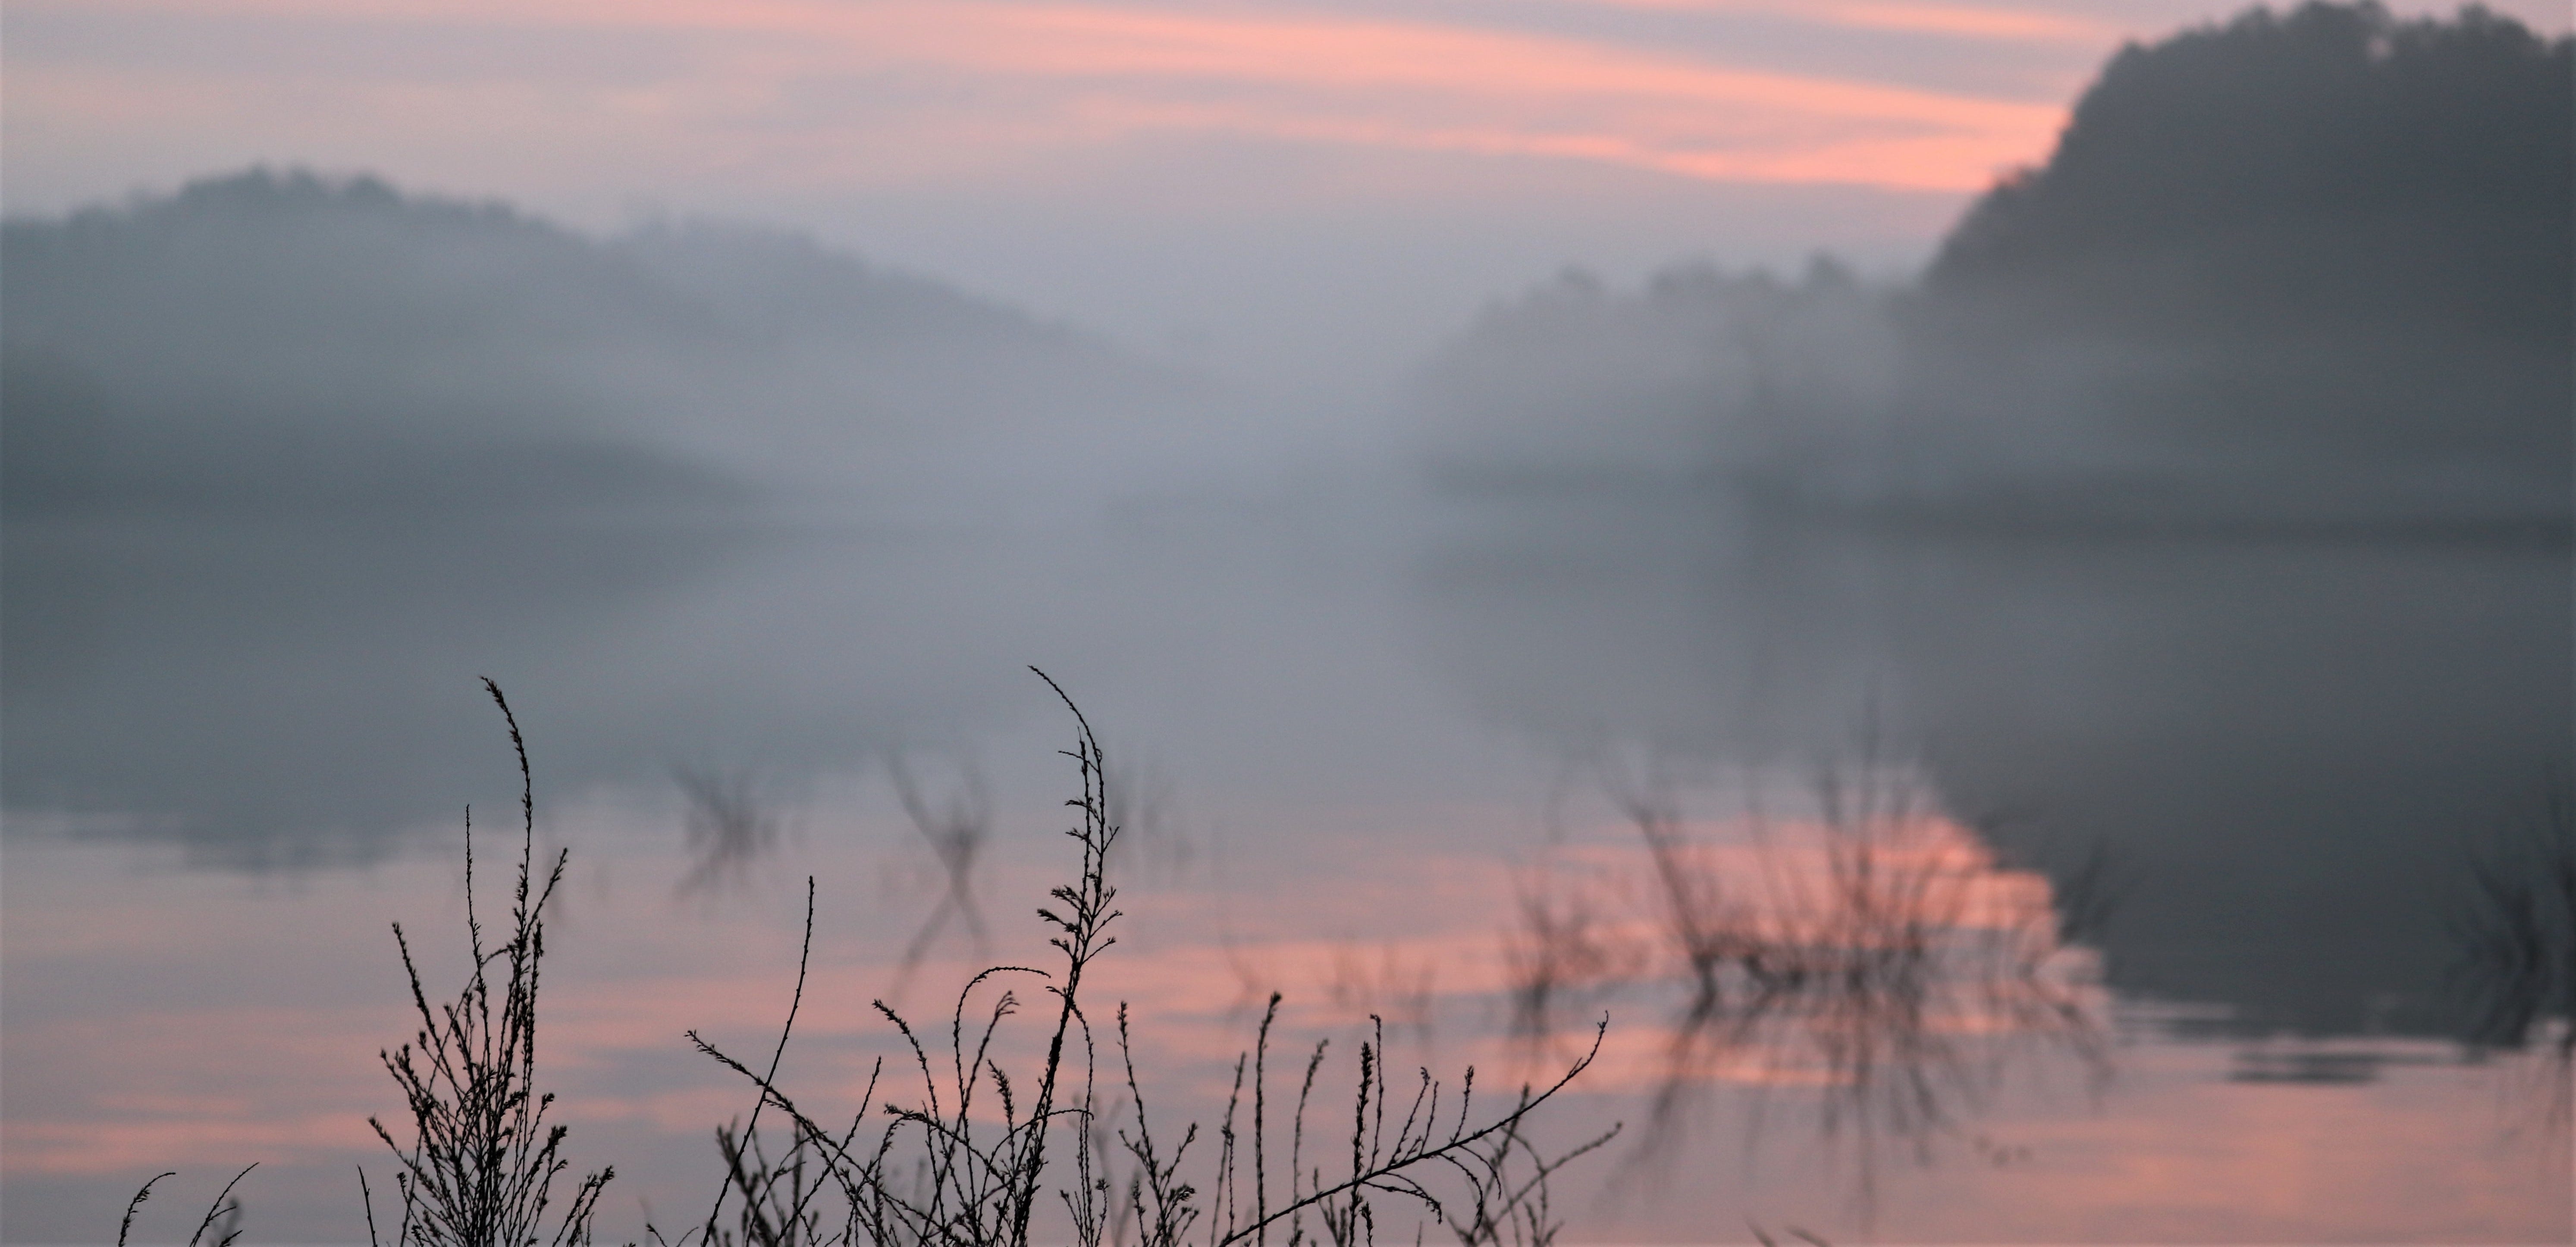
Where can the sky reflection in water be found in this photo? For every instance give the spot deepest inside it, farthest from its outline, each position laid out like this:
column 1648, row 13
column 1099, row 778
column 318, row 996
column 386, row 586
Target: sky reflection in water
column 1834, row 839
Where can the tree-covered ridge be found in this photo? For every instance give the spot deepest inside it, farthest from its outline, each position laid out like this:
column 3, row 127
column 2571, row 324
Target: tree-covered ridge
column 2307, row 266
column 269, row 341
column 2328, row 111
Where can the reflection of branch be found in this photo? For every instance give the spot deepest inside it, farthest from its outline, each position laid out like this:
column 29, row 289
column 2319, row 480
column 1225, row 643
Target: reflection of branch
column 1852, row 969
column 1393, row 988
column 1255, row 980
column 956, row 836
column 2517, row 934
column 1141, row 801
column 2088, row 894
column 2091, row 894
column 726, row 828
column 1556, row 952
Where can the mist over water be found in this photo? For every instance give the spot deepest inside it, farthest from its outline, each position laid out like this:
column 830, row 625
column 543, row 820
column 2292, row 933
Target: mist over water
column 2188, row 547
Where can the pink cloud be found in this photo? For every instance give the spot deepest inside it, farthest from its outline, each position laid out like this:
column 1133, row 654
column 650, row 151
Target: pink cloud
column 1966, row 21
column 1007, row 78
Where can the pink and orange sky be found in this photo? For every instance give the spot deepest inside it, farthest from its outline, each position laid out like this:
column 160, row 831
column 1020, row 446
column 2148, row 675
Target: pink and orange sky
column 1193, row 177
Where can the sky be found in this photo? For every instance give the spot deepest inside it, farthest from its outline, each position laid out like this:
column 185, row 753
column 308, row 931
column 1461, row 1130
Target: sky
column 1264, row 187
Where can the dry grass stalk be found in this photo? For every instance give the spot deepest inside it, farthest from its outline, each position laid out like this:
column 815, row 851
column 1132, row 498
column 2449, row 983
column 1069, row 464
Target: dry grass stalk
column 482, row 1163
column 218, row 1228
column 969, row 1163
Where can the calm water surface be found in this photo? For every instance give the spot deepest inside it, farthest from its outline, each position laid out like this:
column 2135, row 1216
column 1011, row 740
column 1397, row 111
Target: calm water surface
column 2178, row 834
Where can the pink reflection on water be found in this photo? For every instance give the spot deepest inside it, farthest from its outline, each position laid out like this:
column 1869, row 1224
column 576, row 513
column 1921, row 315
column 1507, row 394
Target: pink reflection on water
column 1875, row 958
column 174, row 1020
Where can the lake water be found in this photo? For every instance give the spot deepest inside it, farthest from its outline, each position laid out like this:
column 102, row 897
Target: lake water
column 2179, row 832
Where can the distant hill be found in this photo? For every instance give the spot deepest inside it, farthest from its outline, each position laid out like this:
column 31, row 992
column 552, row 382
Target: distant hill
column 2305, row 266
column 1704, row 376
column 281, row 342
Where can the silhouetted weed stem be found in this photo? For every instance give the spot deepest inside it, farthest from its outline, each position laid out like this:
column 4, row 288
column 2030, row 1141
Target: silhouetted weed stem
column 222, row 1219
column 1260, row 1128
column 223, row 1215
column 750, row 1182
column 480, row 1171
column 1081, row 939
column 141, row 1194
column 973, row 1184
column 482, row 1162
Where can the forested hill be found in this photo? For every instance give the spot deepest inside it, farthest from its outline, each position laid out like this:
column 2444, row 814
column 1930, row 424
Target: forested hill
column 269, row 342
column 2301, row 162
column 2314, row 264
column 2327, row 236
